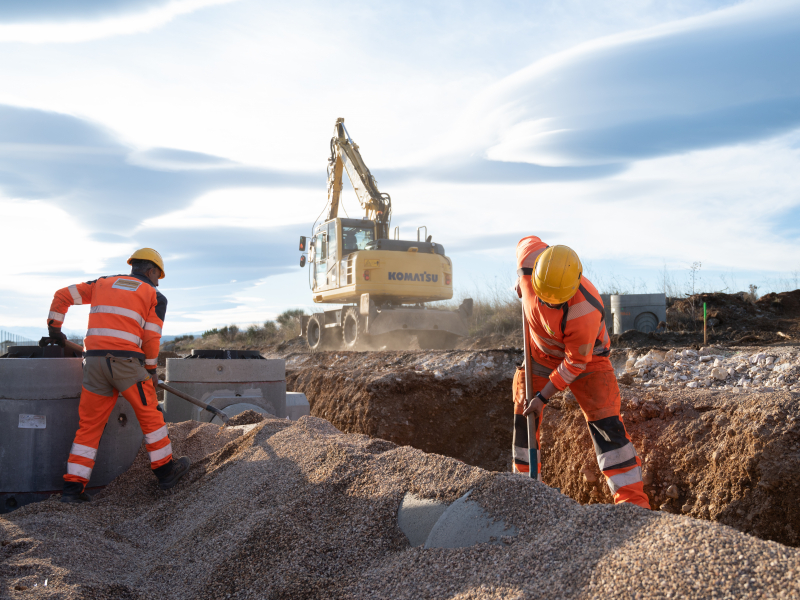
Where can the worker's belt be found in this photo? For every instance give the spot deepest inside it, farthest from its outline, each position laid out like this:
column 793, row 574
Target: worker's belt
column 117, row 353
column 525, row 271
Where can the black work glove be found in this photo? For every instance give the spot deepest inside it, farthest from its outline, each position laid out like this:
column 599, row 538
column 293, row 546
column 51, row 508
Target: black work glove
column 55, row 334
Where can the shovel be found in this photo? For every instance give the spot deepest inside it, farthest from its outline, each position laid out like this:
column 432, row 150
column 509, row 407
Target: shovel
column 533, row 444
column 213, row 410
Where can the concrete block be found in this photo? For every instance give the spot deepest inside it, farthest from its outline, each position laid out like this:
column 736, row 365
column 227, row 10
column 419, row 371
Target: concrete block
column 40, row 378
column 297, row 405
column 36, row 434
column 417, row 516
column 225, row 371
column 465, row 524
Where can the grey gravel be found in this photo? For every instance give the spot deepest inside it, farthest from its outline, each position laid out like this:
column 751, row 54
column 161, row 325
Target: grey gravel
column 300, row 510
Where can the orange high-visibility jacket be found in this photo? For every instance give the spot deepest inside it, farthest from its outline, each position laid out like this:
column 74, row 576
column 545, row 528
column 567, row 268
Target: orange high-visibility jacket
column 571, row 339
column 126, row 317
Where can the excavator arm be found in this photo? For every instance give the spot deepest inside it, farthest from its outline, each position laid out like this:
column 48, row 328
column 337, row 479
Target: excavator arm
column 346, row 157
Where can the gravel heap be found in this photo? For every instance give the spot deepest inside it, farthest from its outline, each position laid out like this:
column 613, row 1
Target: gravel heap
column 761, row 369
column 299, row 510
column 247, row 417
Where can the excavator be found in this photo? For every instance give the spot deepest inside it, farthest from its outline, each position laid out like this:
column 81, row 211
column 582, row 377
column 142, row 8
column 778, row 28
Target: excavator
column 382, row 282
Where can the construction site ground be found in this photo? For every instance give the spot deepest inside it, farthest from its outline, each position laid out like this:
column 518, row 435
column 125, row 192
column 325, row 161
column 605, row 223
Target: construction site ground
column 309, row 509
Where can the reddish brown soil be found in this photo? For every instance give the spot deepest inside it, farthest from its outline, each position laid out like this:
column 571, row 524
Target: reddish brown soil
column 733, row 458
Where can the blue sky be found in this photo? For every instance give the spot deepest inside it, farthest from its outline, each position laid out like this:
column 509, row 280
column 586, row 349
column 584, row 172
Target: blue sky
column 646, row 135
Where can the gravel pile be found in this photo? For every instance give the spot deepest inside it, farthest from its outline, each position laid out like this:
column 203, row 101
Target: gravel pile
column 299, row 510
column 247, row 417
column 761, row 369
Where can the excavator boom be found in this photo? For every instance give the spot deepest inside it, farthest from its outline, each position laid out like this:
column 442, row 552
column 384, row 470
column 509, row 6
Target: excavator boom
column 346, row 157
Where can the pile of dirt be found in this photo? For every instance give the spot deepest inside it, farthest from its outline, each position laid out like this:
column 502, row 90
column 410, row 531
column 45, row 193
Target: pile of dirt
column 300, row 510
column 732, row 456
column 734, row 319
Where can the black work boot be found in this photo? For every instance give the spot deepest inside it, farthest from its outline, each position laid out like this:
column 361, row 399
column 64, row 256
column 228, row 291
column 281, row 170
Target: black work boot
column 170, row 473
column 73, row 493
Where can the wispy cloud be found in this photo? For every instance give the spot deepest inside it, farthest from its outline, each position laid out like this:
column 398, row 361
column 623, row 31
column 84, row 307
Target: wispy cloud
column 82, row 168
column 64, row 21
column 703, row 82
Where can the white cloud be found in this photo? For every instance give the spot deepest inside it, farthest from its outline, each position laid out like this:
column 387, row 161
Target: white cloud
column 95, row 29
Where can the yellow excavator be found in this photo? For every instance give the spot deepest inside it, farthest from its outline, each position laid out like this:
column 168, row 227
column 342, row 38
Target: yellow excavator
column 383, row 283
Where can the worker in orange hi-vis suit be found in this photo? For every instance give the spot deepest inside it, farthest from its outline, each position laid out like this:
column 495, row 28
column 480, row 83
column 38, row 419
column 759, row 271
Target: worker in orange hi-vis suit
column 570, row 347
column 120, row 357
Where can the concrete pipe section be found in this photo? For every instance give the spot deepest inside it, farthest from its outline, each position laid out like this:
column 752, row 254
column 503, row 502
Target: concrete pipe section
column 434, row 524
column 232, row 385
column 39, row 400
column 642, row 312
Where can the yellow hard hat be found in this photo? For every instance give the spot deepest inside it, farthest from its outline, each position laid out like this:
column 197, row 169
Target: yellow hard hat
column 148, row 254
column 556, row 274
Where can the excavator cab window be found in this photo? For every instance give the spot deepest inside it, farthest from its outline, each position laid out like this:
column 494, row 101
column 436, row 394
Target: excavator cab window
column 356, row 238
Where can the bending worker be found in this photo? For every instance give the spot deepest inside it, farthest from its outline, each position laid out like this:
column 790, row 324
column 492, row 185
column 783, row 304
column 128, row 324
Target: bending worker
column 570, row 347
column 120, row 357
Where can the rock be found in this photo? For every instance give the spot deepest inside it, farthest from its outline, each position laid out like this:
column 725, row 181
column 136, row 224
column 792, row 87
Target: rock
column 670, row 356
column 692, row 384
column 702, row 498
column 672, row 491
column 647, row 477
column 688, row 353
column 588, row 475
column 686, row 508
column 705, row 359
column 719, row 373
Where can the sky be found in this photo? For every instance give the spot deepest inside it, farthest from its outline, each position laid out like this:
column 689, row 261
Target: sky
column 648, row 136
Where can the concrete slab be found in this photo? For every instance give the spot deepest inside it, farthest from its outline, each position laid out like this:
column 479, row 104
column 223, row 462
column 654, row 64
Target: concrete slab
column 465, row 524
column 417, row 516
column 211, row 370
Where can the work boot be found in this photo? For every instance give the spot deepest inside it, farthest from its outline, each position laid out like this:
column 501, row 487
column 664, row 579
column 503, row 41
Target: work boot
column 169, row 478
column 73, row 493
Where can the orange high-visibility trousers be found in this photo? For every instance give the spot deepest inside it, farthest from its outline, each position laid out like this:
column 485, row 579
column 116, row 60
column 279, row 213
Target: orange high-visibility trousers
column 598, row 396
column 94, row 411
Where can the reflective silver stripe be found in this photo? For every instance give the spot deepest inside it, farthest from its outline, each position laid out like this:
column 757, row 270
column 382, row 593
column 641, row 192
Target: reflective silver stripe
column 57, row 316
column 552, row 342
column 565, row 374
column 118, row 310
column 581, row 309
column 164, row 452
column 615, row 457
column 530, row 260
column 521, row 454
column 152, row 362
column 545, row 349
column 158, row 434
column 76, row 297
column 622, row 479
column 84, row 451
column 152, row 327
column 79, row 470
column 124, row 335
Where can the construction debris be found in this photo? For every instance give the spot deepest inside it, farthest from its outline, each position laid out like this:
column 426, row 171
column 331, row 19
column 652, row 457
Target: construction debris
column 285, row 509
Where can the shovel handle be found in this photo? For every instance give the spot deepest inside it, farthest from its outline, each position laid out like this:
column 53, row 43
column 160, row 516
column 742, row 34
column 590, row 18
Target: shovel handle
column 194, row 401
column 533, row 445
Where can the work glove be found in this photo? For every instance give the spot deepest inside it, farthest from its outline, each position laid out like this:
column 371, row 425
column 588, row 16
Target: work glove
column 154, row 377
column 56, row 335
